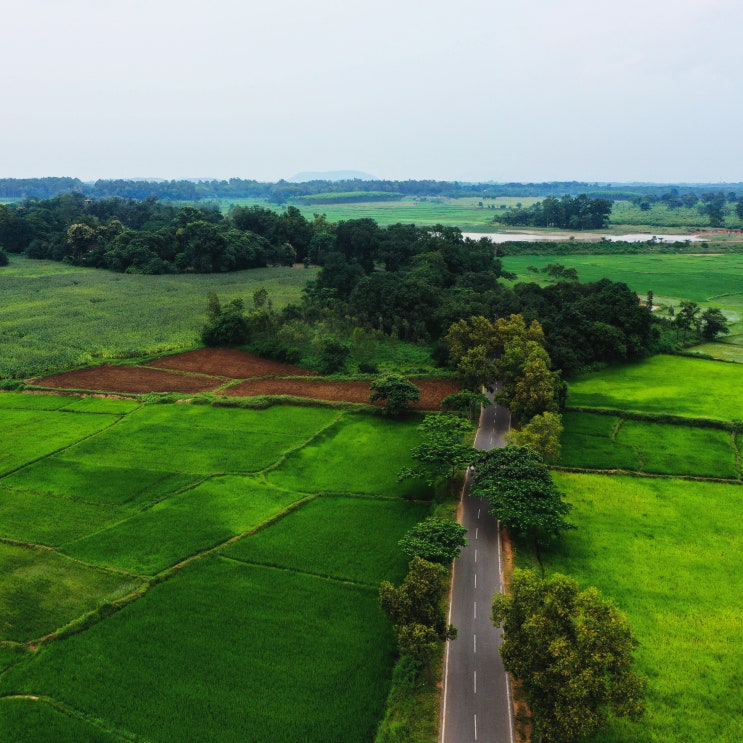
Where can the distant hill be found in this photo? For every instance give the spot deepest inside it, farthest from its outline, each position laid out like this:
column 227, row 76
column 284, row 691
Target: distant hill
column 331, row 175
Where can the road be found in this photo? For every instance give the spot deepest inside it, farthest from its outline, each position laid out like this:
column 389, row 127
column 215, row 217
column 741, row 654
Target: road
column 477, row 700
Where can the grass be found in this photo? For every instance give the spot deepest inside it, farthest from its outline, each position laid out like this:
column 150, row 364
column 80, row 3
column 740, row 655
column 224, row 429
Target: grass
column 668, row 553
column 38, row 721
column 41, row 432
column 259, row 654
column 363, row 455
column 218, row 649
column 363, row 534
column 664, row 385
column 601, row 442
column 209, row 440
column 41, row 590
column 101, row 315
column 183, row 525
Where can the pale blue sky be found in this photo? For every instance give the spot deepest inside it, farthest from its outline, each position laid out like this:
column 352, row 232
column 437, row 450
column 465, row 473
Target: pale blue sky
column 466, row 90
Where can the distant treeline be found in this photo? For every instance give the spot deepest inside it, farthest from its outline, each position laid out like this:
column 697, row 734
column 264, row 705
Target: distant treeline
column 579, row 213
column 284, row 191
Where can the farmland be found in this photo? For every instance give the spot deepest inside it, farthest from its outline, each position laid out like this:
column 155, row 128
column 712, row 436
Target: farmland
column 192, row 534
column 99, row 315
column 666, row 550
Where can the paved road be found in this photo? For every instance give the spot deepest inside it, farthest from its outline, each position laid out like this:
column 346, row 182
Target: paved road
column 476, row 705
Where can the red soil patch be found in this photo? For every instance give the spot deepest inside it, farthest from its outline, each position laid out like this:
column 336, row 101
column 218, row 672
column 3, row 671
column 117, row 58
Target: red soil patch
column 433, row 391
column 132, row 379
column 228, row 362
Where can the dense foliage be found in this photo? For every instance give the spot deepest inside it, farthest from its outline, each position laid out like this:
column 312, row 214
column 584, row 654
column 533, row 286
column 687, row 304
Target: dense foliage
column 572, row 651
column 281, row 191
column 579, row 213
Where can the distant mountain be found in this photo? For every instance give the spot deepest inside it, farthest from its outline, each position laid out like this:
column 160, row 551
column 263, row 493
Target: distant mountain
column 331, row 175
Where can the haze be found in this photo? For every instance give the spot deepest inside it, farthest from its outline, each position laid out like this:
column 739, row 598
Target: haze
column 473, row 90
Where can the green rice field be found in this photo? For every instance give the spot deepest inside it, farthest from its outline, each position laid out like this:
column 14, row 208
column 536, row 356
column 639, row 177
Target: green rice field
column 668, row 553
column 607, row 443
column 673, row 385
column 204, row 582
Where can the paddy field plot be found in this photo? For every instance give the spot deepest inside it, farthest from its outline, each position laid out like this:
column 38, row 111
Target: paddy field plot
column 668, row 552
column 198, row 599
column 670, row 385
column 608, row 442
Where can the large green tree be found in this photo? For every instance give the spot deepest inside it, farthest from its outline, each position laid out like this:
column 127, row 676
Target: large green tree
column 435, row 540
column 443, row 450
column 572, row 651
column 519, row 487
column 397, row 392
column 416, row 611
column 541, row 434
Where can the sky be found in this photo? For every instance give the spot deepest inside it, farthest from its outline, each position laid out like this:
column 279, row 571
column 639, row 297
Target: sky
column 472, row 90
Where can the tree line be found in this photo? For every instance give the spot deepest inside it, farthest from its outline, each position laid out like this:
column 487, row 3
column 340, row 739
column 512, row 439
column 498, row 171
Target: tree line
column 283, row 191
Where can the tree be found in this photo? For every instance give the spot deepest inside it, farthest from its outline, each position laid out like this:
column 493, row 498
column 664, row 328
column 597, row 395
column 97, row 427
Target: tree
column 535, row 392
column 332, row 356
column 415, row 609
column 520, row 490
column 395, row 391
column 227, row 328
column 435, row 540
column 572, row 650
column 4, row 260
column 541, row 434
column 687, row 317
column 442, row 452
column 466, row 402
column 714, row 323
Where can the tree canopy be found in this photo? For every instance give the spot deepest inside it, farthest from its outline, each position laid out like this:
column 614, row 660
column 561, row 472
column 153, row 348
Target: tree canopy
column 519, row 487
column 397, row 392
column 572, row 651
column 435, row 540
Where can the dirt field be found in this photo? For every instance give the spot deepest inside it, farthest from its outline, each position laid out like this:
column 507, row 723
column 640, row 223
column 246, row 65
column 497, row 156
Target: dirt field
column 228, row 362
column 433, row 391
column 133, row 379
column 207, row 370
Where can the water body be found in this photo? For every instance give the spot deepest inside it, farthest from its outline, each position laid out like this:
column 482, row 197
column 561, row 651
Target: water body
column 501, row 237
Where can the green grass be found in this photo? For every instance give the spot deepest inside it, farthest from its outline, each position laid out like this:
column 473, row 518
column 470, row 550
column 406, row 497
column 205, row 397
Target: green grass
column 598, row 442
column 36, row 721
column 668, row 552
column 27, row 516
column 41, row 432
column 183, row 525
column 95, row 482
column 627, row 213
column 103, row 315
column 665, row 385
column 41, row 590
column 361, row 455
column 363, row 534
column 201, row 439
column 679, row 450
column 228, row 652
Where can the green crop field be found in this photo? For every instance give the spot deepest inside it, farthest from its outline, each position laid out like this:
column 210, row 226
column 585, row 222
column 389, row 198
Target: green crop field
column 602, row 442
column 103, row 315
column 665, row 385
column 271, row 609
column 668, row 553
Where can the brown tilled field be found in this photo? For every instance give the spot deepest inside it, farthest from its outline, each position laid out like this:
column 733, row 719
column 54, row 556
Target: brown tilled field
column 207, row 370
column 433, row 391
column 228, row 362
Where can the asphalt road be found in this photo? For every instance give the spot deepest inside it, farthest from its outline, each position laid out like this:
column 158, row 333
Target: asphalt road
column 477, row 700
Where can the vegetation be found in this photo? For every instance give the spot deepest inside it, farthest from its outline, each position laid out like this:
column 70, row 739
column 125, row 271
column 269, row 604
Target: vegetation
column 396, row 392
column 665, row 551
column 180, row 576
column 435, row 540
column 579, row 213
column 521, row 491
column 572, row 651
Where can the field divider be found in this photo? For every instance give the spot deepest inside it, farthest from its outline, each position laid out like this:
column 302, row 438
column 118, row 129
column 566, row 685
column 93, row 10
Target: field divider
column 674, row 420
column 77, row 714
column 736, row 449
column 634, row 473
column 119, row 419
column 283, row 568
